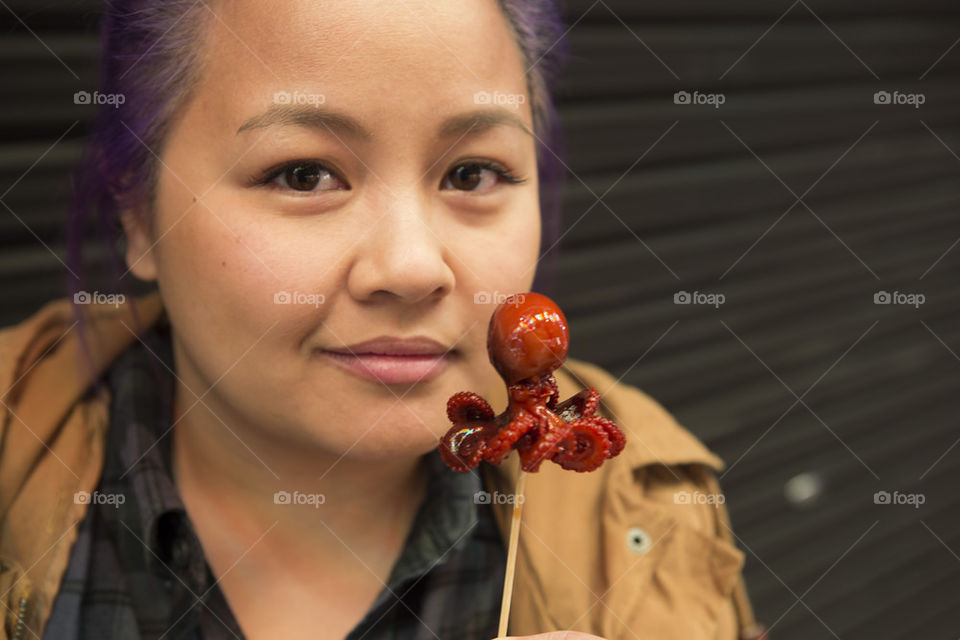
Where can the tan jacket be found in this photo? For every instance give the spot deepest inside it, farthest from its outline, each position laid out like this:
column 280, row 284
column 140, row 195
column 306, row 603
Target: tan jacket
column 613, row 552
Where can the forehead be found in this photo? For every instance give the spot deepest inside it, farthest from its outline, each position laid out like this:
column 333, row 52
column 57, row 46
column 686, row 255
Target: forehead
column 383, row 60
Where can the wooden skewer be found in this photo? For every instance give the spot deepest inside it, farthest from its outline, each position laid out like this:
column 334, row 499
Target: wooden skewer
column 511, row 554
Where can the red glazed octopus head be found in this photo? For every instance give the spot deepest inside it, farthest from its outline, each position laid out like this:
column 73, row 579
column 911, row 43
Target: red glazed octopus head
column 528, row 336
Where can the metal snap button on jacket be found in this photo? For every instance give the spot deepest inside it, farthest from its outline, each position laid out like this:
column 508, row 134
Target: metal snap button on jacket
column 638, row 540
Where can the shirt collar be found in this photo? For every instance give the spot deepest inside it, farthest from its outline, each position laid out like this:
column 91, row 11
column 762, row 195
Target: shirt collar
column 138, row 460
column 448, row 514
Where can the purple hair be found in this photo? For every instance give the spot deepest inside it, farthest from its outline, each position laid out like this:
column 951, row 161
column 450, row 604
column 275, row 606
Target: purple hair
column 539, row 33
column 151, row 56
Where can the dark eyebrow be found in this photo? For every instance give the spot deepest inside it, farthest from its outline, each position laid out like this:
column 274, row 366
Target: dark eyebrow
column 306, row 116
column 472, row 122
column 480, row 120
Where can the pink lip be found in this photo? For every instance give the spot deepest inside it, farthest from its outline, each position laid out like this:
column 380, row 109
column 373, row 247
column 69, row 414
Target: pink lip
column 393, row 360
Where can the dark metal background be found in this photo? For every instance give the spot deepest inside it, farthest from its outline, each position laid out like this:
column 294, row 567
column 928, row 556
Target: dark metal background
column 798, row 199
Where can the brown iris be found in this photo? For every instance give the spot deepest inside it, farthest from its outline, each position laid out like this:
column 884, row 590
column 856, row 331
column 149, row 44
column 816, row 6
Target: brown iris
column 303, row 177
column 466, row 177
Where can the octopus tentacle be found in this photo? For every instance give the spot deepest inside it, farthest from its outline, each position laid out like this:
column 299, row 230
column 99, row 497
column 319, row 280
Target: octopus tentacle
column 593, row 402
column 585, row 448
column 467, row 406
column 580, row 405
column 617, row 439
column 552, row 431
column 500, row 444
column 551, row 383
column 463, row 446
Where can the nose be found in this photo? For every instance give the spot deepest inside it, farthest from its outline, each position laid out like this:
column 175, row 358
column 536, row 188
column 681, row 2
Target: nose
column 402, row 255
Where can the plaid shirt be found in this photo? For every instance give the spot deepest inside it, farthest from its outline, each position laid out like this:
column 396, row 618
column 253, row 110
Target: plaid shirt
column 137, row 569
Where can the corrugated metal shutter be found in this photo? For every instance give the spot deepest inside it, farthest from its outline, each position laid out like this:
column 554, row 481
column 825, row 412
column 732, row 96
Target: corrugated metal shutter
column 798, row 199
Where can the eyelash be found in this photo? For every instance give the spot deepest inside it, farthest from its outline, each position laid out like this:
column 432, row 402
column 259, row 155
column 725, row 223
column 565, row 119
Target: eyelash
column 505, row 174
column 266, row 178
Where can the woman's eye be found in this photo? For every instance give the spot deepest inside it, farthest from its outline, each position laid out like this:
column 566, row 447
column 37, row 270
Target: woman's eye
column 477, row 176
column 307, row 176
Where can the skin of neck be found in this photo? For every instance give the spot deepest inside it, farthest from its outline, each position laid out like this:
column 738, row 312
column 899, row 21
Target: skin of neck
column 229, row 479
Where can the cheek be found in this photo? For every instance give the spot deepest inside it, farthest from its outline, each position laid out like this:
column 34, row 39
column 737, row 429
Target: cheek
column 509, row 256
column 527, row 233
column 211, row 259
column 229, row 277
column 530, row 241
column 221, row 249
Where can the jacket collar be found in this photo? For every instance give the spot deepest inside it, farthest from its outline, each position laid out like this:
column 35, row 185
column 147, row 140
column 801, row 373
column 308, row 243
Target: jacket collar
column 47, row 353
column 52, row 434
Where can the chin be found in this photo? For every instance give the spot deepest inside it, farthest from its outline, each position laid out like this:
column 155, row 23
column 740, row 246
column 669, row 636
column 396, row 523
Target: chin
column 381, row 451
column 385, row 441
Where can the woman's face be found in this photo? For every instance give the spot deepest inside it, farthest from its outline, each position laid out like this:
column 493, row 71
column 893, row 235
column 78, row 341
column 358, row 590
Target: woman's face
column 391, row 221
